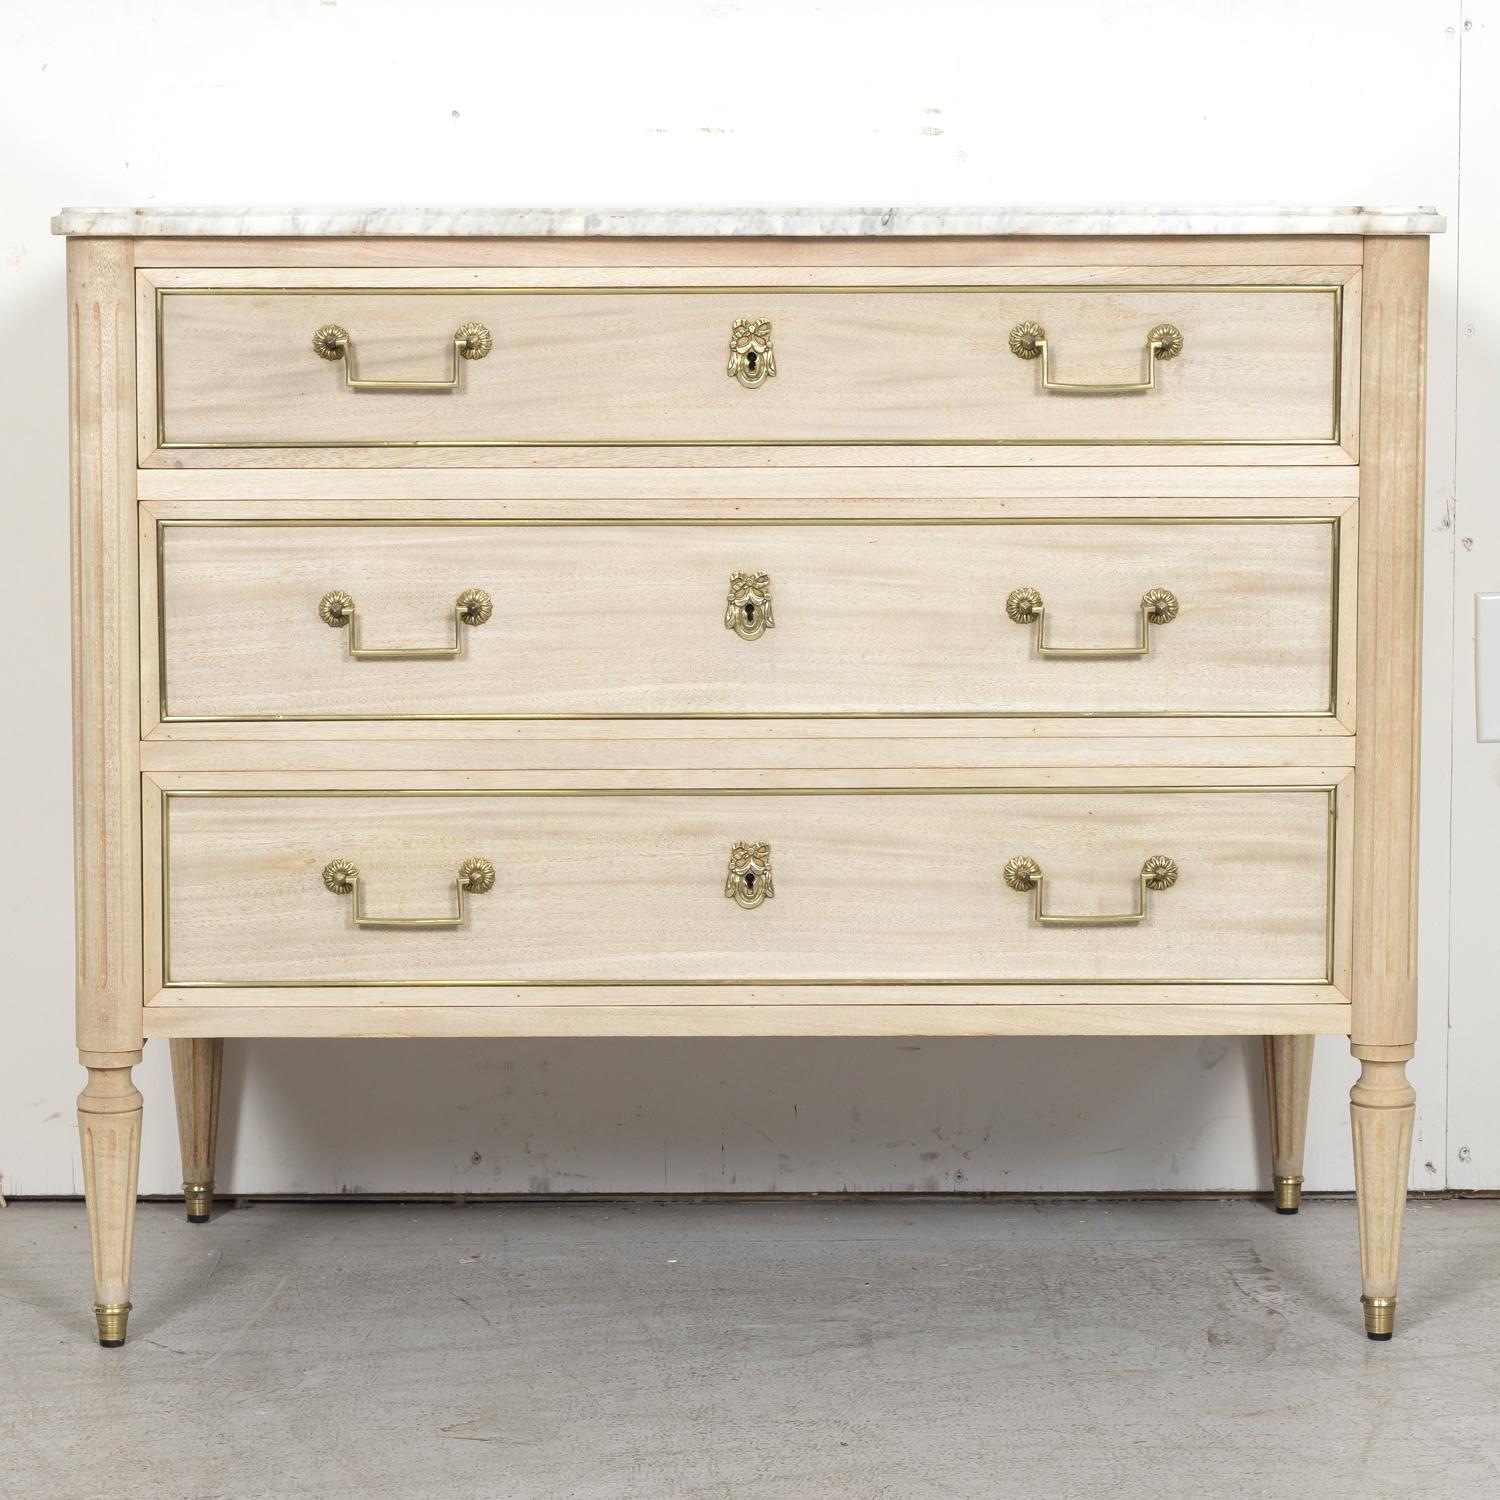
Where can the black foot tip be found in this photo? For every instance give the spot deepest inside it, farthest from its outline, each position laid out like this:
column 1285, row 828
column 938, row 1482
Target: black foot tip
column 197, row 1218
column 1379, row 1338
column 1286, row 1210
column 111, row 1343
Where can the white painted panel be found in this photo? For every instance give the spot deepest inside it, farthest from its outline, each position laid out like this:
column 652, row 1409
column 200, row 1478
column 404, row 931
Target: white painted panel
column 866, row 101
column 1474, row 1041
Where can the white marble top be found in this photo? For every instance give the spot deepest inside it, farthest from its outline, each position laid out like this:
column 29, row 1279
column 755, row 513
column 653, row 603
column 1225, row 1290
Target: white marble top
column 479, row 222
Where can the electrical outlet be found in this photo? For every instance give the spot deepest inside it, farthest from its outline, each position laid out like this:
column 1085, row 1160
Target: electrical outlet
column 1487, row 666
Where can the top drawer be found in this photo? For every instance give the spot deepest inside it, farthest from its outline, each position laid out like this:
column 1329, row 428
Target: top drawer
column 699, row 366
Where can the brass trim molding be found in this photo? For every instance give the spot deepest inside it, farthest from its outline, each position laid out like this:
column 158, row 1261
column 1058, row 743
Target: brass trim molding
column 170, row 795
column 1335, row 522
column 1335, row 290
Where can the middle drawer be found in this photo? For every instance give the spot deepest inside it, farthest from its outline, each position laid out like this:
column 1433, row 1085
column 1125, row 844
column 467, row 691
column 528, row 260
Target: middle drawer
column 731, row 619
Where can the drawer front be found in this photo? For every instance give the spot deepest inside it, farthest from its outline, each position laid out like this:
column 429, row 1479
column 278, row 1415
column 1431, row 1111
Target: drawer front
column 876, row 365
column 825, row 886
column 748, row 619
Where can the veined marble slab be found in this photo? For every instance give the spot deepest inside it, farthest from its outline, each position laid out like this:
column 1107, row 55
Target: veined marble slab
column 478, row 222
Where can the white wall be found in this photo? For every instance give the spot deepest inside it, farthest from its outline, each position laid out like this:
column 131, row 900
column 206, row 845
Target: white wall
column 688, row 101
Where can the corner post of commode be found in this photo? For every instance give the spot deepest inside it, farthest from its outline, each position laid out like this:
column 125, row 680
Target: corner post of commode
column 1388, row 705
column 106, row 755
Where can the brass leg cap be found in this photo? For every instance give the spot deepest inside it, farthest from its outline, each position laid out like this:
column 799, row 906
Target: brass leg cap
column 1380, row 1317
column 1288, row 1194
column 199, row 1198
column 111, row 1318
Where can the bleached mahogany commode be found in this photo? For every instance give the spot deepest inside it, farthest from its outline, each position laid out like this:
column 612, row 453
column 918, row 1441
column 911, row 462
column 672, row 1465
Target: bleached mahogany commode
column 532, row 623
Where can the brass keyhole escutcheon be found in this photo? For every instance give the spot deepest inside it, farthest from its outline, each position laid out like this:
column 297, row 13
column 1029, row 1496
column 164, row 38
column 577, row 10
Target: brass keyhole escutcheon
column 747, row 609
column 749, row 882
column 752, row 360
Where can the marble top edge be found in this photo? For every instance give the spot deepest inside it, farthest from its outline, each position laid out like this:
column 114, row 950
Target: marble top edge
column 712, row 222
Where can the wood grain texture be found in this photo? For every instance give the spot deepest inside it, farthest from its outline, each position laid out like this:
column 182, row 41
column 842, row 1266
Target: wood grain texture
column 109, row 1131
column 106, row 710
column 609, row 916
column 869, row 619
column 630, row 889
column 1382, row 1112
column 1107, row 1018
column 197, row 1069
column 1289, row 1061
column 802, row 747
column 916, row 460
column 600, row 493
column 886, row 366
column 1390, row 646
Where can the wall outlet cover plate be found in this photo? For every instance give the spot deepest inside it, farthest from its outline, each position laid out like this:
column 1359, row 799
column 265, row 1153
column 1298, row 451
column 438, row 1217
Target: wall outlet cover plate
column 1487, row 666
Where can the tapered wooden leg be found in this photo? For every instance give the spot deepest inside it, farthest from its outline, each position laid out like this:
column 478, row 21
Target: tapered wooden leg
column 1288, row 1086
column 1382, row 1107
column 196, row 1065
column 109, row 1128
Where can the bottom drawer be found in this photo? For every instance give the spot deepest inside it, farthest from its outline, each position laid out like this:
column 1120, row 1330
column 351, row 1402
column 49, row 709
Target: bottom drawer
column 809, row 886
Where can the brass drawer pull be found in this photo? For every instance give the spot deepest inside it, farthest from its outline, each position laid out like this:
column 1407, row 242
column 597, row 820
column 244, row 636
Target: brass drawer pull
column 1158, row 607
column 1023, row 874
column 472, row 341
column 472, row 608
column 475, row 877
column 749, row 880
column 752, row 360
column 1027, row 340
column 747, row 610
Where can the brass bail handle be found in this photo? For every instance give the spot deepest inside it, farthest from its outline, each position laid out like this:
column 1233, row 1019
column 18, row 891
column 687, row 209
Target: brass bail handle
column 475, row 876
column 1028, row 340
column 332, row 342
column 1023, row 873
column 471, row 609
column 1158, row 607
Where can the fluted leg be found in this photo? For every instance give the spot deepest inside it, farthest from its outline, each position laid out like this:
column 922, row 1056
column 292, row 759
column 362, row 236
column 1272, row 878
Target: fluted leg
column 196, row 1065
column 1382, row 1107
column 1288, row 1086
column 109, row 1128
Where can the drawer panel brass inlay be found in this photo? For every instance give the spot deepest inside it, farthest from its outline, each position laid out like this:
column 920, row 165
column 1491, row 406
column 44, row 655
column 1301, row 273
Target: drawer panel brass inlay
column 891, row 618
column 872, row 885
column 895, row 365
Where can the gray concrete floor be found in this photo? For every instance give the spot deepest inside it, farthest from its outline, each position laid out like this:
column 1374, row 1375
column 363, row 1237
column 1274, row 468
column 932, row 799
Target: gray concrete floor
column 755, row 1351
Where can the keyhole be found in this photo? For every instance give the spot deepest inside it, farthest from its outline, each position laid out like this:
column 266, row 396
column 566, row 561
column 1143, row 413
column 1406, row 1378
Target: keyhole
column 749, row 882
column 750, row 614
column 751, row 360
